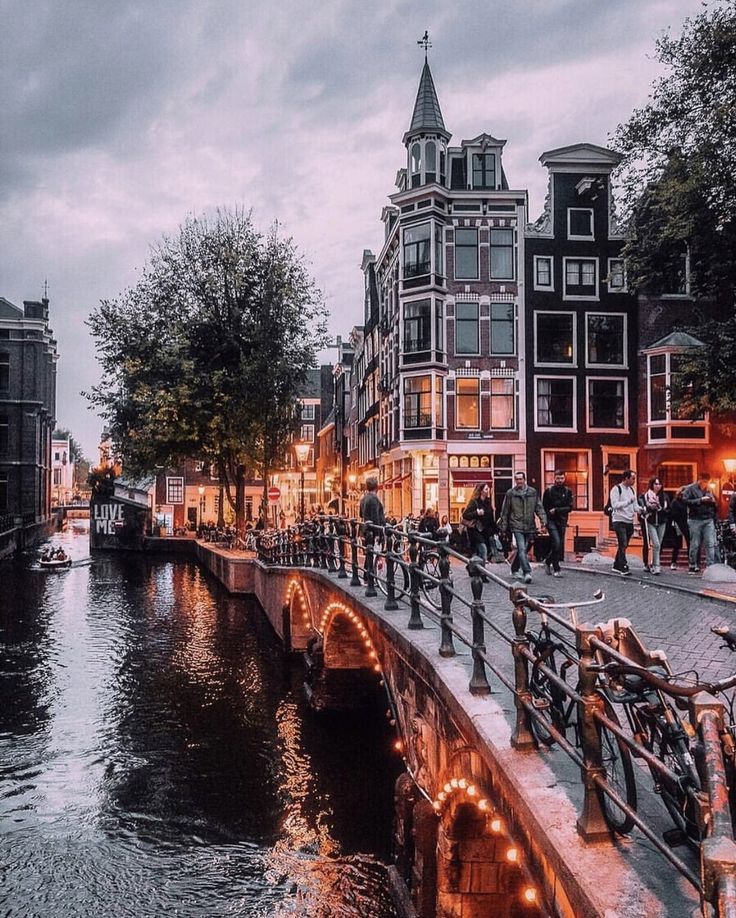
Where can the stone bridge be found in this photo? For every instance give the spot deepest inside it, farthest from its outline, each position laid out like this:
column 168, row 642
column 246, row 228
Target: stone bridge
column 482, row 827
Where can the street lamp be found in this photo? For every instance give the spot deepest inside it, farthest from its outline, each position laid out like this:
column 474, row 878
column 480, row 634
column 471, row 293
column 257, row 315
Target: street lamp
column 201, row 504
column 301, row 451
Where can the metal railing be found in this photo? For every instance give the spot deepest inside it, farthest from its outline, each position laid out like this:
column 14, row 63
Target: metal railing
column 348, row 548
column 7, row 522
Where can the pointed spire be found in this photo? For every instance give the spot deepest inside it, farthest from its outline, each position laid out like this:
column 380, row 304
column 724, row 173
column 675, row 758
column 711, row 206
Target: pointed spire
column 427, row 114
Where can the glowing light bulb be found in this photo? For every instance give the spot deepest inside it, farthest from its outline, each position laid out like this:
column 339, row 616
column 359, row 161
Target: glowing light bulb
column 472, row 791
column 436, row 804
column 512, row 855
column 462, row 783
column 483, row 804
column 496, row 825
column 398, row 745
column 377, row 668
column 530, row 894
column 442, row 796
column 448, row 787
column 454, row 782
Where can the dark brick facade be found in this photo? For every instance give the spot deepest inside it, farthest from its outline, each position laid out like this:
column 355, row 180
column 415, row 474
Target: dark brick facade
column 27, row 410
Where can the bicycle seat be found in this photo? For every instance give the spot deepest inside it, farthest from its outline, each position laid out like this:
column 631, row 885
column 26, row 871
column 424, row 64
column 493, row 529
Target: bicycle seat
column 636, row 684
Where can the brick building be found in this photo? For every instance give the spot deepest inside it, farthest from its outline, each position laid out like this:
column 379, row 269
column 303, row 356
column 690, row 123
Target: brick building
column 27, row 412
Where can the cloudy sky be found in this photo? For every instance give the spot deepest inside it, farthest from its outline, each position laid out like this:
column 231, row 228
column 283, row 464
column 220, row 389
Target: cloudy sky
column 120, row 117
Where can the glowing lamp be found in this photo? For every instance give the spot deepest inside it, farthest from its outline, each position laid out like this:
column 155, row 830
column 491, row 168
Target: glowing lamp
column 729, row 465
column 530, row 895
column 512, row 855
column 302, row 452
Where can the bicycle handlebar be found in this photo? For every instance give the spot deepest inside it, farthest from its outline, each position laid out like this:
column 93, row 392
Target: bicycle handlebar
column 598, row 597
column 669, row 688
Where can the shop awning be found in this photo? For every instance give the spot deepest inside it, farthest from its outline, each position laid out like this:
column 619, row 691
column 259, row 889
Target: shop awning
column 462, row 477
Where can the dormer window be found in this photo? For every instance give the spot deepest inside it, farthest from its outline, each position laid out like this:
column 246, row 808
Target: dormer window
column 484, row 170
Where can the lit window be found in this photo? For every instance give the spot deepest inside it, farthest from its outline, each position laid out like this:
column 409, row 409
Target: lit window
column 502, row 254
column 466, row 254
column 579, row 223
column 438, row 403
column 555, row 402
column 543, row 272
column 307, row 433
column 606, row 340
column 502, row 403
column 576, row 466
column 467, row 402
column 607, row 404
column 554, row 338
column 467, row 332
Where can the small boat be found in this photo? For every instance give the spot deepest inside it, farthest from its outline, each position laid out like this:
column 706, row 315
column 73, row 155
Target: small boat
column 56, row 562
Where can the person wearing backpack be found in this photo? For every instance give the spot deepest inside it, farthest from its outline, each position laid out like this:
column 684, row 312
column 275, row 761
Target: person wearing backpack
column 653, row 516
column 623, row 501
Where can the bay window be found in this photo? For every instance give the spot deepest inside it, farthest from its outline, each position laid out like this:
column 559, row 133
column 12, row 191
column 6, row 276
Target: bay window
column 418, row 326
column 418, row 401
column 417, row 250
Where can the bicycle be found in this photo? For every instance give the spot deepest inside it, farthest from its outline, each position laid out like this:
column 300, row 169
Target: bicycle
column 428, row 561
column 550, row 696
column 645, row 692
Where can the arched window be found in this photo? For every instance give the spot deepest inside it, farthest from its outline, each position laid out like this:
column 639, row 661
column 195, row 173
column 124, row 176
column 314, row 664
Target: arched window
column 430, row 161
column 416, row 165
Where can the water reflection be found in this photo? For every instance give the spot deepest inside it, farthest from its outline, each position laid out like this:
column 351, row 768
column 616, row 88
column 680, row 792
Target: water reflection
column 156, row 755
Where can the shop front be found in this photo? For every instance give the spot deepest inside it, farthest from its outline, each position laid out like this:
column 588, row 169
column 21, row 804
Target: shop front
column 468, row 471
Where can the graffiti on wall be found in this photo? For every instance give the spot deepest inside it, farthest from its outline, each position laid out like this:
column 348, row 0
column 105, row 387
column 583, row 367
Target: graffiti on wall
column 106, row 517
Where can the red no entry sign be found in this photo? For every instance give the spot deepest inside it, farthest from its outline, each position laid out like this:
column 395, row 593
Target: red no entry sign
column 274, row 494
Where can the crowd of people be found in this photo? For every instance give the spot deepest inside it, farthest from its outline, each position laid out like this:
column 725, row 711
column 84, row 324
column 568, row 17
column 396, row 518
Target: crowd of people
column 690, row 514
column 687, row 518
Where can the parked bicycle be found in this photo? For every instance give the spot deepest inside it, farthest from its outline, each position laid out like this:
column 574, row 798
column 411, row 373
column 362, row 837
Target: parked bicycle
column 554, row 656
column 652, row 699
column 428, row 561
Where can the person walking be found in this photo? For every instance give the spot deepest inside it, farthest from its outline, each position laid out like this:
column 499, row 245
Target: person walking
column 680, row 528
column 557, row 501
column 622, row 498
column 520, row 505
column 371, row 508
column 701, row 516
column 480, row 520
column 653, row 516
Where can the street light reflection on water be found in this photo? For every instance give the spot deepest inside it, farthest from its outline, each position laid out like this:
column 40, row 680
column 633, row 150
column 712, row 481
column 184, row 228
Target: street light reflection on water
column 157, row 755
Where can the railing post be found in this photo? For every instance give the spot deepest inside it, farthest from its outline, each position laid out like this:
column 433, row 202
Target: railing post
column 370, row 580
column 355, row 578
column 415, row 618
column 324, row 542
column 591, row 825
column 523, row 736
column 479, row 680
column 717, row 851
column 390, row 605
column 341, row 528
column 314, row 544
column 447, row 647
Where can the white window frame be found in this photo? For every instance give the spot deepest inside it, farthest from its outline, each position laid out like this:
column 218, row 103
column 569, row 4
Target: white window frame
column 480, row 403
column 669, row 422
column 502, row 355
column 608, row 366
column 514, row 410
column 477, row 254
column 625, row 287
column 613, row 430
column 307, row 412
column 551, row 286
column 514, row 253
column 306, row 434
column 575, row 296
column 589, row 210
column 175, row 503
column 558, row 312
column 546, row 429
column 465, row 354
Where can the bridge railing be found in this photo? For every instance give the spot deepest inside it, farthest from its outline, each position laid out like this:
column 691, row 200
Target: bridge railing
column 395, row 560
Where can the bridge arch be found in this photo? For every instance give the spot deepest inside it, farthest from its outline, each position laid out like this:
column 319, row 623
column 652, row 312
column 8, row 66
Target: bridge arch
column 298, row 613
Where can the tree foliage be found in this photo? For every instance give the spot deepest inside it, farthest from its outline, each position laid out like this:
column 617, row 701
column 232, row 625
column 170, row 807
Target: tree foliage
column 679, row 194
column 75, row 450
column 205, row 356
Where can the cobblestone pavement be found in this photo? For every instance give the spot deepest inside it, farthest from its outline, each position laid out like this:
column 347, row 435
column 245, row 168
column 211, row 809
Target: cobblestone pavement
column 669, row 612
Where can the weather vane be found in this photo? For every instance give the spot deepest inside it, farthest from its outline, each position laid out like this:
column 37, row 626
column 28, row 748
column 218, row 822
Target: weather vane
column 425, row 43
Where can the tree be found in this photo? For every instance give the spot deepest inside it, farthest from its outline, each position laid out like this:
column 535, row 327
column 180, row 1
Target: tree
column 75, row 450
column 206, row 355
column 679, row 200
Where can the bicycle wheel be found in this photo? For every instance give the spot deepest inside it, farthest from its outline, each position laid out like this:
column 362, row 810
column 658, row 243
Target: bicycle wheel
column 546, row 698
column 430, row 564
column 677, row 796
column 616, row 758
column 401, row 577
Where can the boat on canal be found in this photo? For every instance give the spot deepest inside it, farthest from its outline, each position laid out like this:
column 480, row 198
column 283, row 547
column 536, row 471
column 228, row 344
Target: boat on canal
column 54, row 563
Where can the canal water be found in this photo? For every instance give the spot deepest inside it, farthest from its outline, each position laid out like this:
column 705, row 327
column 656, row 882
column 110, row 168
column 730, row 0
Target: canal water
column 157, row 756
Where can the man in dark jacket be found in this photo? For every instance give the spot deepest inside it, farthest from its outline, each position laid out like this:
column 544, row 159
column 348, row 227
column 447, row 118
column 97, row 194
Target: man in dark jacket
column 701, row 515
column 557, row 502
column 371, row 508
column 520, row 505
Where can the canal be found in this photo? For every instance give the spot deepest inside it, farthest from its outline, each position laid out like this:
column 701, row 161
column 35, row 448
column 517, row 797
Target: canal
column 157, row 756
